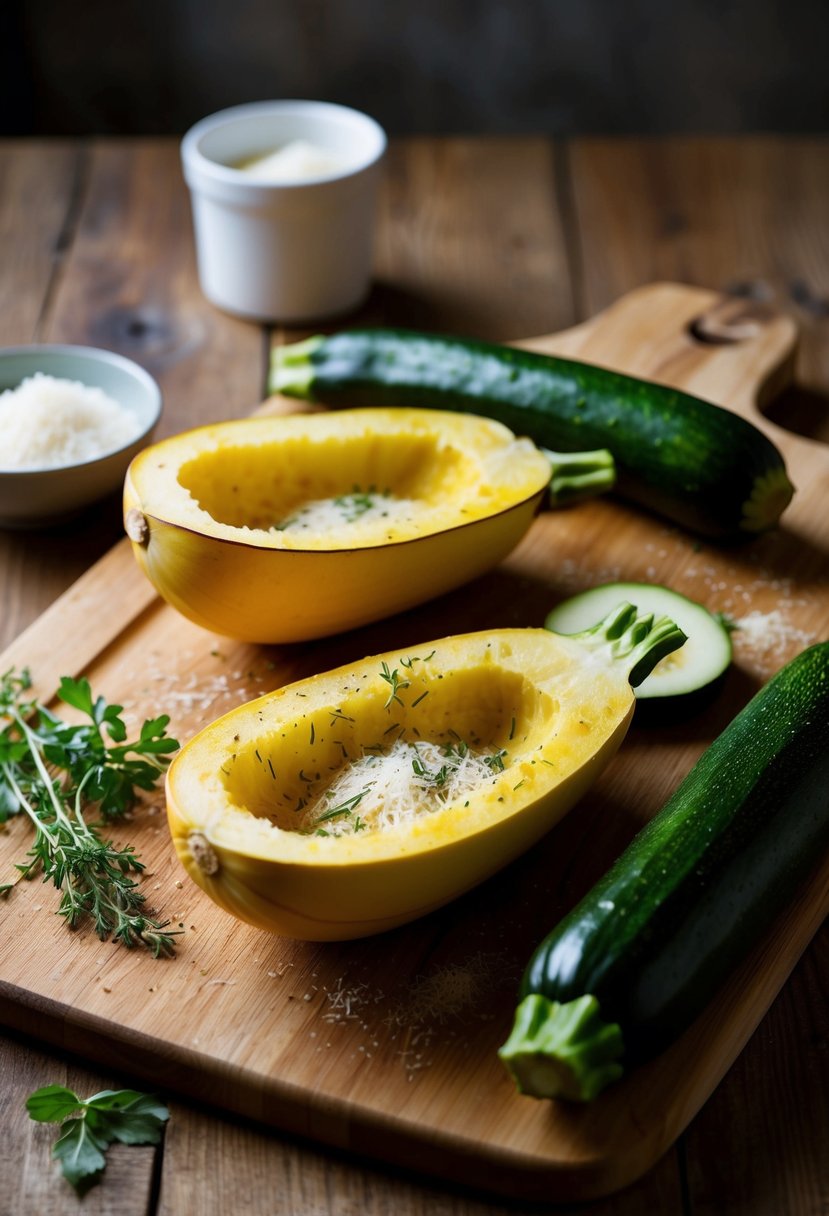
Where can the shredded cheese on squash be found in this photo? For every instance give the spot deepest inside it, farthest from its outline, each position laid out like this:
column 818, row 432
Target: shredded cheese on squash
column 388, row 789
column 345, row 512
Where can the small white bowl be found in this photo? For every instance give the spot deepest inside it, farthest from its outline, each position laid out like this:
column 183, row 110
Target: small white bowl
column 33, row 498
column 288, row 251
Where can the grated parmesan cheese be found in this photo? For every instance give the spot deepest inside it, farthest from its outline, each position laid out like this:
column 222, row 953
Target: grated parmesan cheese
column 341, row 513
column 47, row 422
column 386, row 790
column 769, row 637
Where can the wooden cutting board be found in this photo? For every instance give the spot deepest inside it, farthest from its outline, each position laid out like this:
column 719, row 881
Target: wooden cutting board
column 386, row 1047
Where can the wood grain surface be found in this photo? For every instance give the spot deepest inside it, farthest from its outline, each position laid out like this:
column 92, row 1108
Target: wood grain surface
column 770, row 1140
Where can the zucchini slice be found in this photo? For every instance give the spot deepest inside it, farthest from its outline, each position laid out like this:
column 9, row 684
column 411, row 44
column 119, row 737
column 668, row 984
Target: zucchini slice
column 632, row 965
column 694, row 667
column 694, row 463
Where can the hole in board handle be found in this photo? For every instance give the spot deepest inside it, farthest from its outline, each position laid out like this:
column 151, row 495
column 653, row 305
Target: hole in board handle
column 730, row 321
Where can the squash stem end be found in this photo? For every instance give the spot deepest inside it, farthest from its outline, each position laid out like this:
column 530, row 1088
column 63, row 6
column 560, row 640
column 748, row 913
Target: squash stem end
column 579, row 475
column 633, row 638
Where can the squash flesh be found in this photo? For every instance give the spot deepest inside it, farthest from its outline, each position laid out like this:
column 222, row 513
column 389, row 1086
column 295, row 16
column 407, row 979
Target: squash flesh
column 460, row 493
column 558, row 714
column 259, row 487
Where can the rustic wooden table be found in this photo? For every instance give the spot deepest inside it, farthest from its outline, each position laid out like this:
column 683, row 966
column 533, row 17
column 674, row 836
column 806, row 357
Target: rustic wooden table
column 501, row 238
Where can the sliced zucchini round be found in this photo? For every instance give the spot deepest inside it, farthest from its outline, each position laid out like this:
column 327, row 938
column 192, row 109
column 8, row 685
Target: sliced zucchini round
column 695, row 666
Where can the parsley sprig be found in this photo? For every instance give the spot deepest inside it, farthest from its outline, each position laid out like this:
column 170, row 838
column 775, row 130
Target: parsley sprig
column 91, row 1125
column 51, row 771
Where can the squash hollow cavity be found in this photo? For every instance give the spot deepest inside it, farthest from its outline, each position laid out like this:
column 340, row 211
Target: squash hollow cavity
column 456, row 749
column 344, row 489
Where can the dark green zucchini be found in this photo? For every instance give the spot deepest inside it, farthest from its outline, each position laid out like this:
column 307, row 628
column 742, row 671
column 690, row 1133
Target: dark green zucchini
column 631, row 966
column 700, row 466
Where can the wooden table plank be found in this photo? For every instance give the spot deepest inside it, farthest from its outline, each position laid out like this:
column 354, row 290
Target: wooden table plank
column 129, row 284
column 471, row 239
column 212, row 1165
column 453, row 250
column 40, row 182
column 747, row 215
column 760, row 1143
column 31, row 1181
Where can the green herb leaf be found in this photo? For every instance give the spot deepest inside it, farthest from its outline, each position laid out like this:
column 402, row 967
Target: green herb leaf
column 123, row 1115
column 128, row 1116
column 52, row 1104
column 80, row 1152
column 131, row 1101
column 76, row 693
column 134, row 1128
column 9, row 802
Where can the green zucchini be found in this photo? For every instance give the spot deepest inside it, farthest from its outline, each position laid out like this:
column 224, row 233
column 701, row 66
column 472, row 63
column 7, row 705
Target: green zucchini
column 679, row 678
column 631, row 966
column 692, row 462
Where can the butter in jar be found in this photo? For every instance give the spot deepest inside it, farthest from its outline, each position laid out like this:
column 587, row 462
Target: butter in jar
column 298, row 160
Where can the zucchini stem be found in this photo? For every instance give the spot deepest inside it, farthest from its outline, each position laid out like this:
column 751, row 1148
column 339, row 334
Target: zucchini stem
column 579, row 475
column 562, row 1050
column 292, row 368
column 634, row 638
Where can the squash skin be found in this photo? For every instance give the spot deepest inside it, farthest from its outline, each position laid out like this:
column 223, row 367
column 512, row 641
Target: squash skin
column 574, row 715
column 242, row 585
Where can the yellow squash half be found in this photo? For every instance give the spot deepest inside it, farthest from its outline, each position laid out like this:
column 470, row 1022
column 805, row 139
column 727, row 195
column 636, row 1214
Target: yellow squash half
column 285, row 529
column 554, row 709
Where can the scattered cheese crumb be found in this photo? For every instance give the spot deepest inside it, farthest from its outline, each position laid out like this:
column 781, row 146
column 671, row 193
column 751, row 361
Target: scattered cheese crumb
column 769, row 637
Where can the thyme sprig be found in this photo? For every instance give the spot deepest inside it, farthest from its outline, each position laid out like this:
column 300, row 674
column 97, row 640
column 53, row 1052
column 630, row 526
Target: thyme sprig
column 53, row 771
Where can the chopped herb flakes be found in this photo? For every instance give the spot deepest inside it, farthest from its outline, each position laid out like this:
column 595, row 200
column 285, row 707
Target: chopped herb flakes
column 393, row 787
column 342, row 510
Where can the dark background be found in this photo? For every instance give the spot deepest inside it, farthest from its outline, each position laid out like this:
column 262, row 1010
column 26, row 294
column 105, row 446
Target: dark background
column 432, row 66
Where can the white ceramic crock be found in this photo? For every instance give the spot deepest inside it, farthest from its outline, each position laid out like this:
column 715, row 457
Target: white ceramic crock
column 289, row 252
